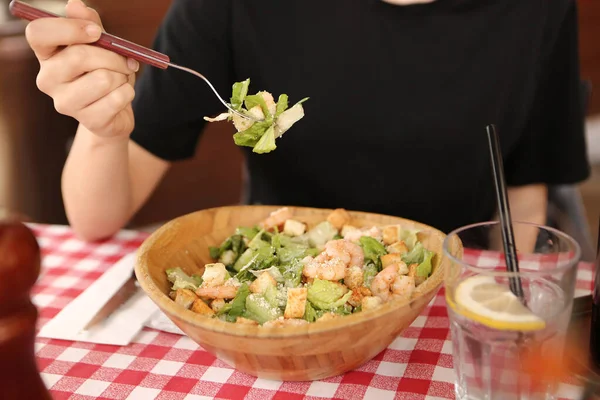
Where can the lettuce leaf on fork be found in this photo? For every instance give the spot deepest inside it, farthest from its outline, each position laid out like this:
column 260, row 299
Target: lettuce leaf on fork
column 272, row 120
column 239, row 93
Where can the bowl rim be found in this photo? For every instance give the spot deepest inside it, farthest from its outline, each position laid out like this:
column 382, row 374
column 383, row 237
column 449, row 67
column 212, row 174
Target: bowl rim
column 176, row 312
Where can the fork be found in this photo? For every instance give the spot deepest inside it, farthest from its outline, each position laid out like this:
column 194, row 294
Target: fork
column 121, row 46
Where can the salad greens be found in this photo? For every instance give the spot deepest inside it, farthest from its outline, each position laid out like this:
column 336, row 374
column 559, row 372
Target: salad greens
column 270, row 119
column 258, row 275
column 181, row 280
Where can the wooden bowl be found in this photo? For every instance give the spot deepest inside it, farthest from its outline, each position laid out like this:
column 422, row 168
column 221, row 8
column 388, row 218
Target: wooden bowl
column 293, row 353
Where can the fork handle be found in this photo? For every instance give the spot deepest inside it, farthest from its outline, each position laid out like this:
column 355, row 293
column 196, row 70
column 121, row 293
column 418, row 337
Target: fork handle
column 107, row 41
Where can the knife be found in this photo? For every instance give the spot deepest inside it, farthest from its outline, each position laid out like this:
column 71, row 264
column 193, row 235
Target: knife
column 125, row 292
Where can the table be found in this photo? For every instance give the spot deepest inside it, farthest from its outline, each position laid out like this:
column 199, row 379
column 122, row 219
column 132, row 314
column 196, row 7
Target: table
column 160, row 365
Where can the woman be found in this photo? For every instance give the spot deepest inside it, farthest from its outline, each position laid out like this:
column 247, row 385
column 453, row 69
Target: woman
column 399, row 99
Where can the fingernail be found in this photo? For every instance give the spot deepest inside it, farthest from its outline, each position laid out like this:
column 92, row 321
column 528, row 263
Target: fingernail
column 93, row 30
column 133, row 64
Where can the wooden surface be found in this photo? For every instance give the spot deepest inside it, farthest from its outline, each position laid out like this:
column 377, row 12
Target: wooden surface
column 308, row 352
column 19, row 269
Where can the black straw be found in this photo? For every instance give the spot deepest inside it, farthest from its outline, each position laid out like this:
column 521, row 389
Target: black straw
column 508, row 240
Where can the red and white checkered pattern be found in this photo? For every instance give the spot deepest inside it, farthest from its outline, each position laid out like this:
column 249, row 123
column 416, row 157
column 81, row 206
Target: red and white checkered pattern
column 159, row 365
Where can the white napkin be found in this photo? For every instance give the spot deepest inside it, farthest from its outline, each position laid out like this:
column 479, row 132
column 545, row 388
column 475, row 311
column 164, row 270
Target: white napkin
column 161, row 322
column 119, row 328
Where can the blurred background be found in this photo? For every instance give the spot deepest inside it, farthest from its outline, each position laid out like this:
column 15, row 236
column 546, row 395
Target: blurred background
column 34, row 139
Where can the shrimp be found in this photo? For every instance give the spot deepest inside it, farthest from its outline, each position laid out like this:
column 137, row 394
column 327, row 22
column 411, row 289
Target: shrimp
column 276, row 218
column 332, row 263
column 217, row 292
column 330, row 269
column 351, row 253
column 389, row 284
column 403, row 286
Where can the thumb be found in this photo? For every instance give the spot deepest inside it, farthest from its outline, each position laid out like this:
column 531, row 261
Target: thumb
column 78, row 10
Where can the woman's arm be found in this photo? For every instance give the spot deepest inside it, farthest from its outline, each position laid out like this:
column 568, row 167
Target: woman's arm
column 528, row 203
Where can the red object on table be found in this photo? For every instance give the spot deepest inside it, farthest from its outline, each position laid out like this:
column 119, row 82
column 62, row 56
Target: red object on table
column 160, row 365
column 19, row 269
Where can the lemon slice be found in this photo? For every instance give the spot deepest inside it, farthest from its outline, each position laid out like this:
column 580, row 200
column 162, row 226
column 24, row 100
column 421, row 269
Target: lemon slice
column 482, row 299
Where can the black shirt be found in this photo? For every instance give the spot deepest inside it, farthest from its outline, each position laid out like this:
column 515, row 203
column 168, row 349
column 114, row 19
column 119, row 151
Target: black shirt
column 399, row 98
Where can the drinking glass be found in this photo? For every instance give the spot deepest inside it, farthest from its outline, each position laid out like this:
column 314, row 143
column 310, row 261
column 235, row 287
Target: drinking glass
column 495, row 333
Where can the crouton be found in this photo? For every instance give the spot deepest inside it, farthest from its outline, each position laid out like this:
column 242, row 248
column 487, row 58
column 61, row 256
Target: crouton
column 402, row 268
column 338, row 218
column 397, row 247
column 214, row 275
column 296, row 303
column 292, row 227
column 217, row 304
column 391, row 258
column 357, row 295
column 185, row 297
column 354, row 277
column 370, row 302
column 391, row 234
column 200, row 307
column 261, row 283
column 412, row 272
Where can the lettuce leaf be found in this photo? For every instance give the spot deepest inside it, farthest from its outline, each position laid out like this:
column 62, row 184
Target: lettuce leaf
column 282, row 104
column 287, row 119
column 251, row 136
column 234, row 243
column 266, row 143
column 327, row 295
column 238, row 304
column 292, row 273
column 421, row 256
column 415, row 256
column 247, row 232
column 373, row 250
column 369, row 272
column 181, row 280
column 260, row 135
column 239, row 93
column 424, row 268
column 310, row 314
column 409, row 237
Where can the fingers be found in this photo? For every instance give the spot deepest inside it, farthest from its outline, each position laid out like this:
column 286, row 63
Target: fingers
column 97, row 116
column 76, row 60
column 47, row 35
column 71, row 98
column 77, row 10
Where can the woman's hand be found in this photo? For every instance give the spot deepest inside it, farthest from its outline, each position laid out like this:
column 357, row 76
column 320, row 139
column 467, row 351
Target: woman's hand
column 88, row 83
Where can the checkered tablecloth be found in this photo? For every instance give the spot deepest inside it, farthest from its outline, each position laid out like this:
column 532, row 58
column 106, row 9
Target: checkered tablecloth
column 159, row 365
